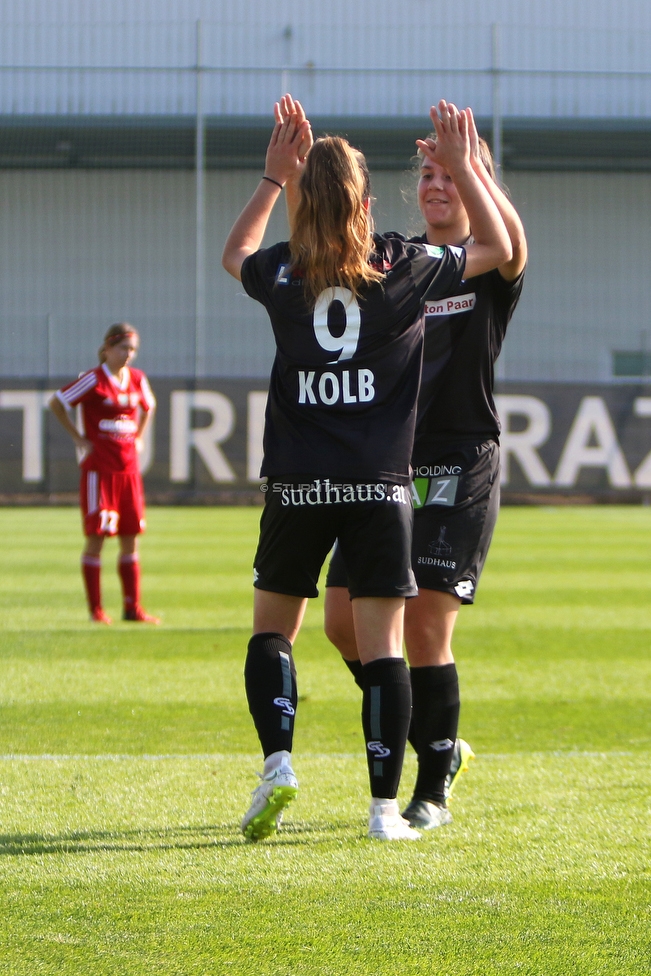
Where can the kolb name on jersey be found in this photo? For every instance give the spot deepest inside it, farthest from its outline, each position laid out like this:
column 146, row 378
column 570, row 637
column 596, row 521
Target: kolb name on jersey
column 352, row 386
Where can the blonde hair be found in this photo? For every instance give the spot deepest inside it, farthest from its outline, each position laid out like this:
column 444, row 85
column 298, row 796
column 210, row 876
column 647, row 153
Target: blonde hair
column 114, row 335
column 332, row 240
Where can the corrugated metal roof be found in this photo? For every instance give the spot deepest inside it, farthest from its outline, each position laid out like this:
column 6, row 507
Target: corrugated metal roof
column 380, row 58
column 364, row 15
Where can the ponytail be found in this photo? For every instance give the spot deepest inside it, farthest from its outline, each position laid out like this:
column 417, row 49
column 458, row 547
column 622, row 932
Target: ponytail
column 332, row 241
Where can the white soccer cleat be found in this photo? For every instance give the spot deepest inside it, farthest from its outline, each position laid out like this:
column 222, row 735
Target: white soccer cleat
column 385, row 822
column 278, row 788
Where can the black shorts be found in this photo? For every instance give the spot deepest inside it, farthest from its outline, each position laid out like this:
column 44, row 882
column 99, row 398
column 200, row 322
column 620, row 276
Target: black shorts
column 456, row 503
column 302, row 520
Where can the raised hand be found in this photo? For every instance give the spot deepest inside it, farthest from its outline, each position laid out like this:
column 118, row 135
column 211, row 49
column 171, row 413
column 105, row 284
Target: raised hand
column 290, row 141
column 291, row 110
column 290, row 107
column 451, row 149
column 473, row 135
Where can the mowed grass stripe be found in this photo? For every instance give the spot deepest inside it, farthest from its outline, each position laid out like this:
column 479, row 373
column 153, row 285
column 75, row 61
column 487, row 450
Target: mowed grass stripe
column 134, row 867
column 121, row 852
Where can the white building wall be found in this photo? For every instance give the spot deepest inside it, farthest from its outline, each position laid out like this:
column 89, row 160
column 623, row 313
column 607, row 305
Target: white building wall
column 80, row 250
column 588, row 288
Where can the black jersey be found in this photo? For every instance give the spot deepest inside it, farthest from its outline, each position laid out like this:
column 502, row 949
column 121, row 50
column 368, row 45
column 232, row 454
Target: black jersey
column 463, row 338
column 344, row 383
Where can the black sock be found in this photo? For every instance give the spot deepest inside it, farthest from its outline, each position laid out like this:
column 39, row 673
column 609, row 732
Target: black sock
column 435, row 720
column 386, row 712
column 356, row 668
column 270, row 681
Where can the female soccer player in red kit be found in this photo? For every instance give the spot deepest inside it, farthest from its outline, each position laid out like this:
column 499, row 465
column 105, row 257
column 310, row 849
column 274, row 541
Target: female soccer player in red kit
column 116, row 405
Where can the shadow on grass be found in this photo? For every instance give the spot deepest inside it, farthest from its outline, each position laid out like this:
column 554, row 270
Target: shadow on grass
column 162, row 839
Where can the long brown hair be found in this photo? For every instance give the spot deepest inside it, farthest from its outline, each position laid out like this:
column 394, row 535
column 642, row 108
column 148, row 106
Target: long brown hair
column 116, row 333
column 332, row 240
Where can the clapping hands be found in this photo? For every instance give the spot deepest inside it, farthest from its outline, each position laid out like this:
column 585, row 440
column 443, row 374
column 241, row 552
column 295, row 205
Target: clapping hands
column 291, row 140
column 452, row 147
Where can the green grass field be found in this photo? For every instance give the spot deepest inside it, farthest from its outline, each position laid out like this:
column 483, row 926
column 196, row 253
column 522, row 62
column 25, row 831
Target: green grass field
column 127, row 756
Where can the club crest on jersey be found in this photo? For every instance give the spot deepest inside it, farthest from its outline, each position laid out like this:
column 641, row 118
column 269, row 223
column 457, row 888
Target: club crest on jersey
column 126, row 399
column 451, row 306
column 440, row 547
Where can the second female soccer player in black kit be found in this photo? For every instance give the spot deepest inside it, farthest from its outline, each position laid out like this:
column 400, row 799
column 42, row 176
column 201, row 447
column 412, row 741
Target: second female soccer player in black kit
column 339, row 427
column 456, row 476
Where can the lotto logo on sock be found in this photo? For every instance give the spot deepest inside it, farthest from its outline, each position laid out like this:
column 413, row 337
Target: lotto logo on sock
column 286, row 705
column 378, row 749
column 441, row 745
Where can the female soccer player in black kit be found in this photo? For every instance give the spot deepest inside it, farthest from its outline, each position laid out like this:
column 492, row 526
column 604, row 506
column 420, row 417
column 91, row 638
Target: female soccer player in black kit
column 456, row 476
column 343, row 305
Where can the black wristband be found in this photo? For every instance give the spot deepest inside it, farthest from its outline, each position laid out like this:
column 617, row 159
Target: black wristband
column 270, row 180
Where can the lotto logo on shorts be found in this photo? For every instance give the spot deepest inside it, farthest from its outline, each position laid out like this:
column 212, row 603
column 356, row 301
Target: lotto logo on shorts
column 325, row 492
column 464, row 588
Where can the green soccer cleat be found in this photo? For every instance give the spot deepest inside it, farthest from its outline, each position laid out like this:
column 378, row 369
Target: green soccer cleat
column 461, row 756
column 270, row 798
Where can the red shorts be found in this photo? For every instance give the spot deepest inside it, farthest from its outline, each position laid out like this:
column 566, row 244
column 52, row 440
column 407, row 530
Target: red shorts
column 112, row 503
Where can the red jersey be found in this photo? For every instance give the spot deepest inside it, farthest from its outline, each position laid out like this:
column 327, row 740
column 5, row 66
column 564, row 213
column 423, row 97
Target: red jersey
column 109, row 411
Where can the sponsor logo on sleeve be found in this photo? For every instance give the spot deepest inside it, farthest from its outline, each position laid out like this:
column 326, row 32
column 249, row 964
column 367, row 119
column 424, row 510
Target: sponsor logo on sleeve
column 434, row 251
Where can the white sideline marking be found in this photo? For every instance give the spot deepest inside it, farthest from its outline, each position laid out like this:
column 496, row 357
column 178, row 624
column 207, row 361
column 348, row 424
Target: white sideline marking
column 106, row 757
column 147, row 757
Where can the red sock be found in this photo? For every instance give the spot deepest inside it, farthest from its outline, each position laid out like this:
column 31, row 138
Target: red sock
column 90, row 569
column 129, row 570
